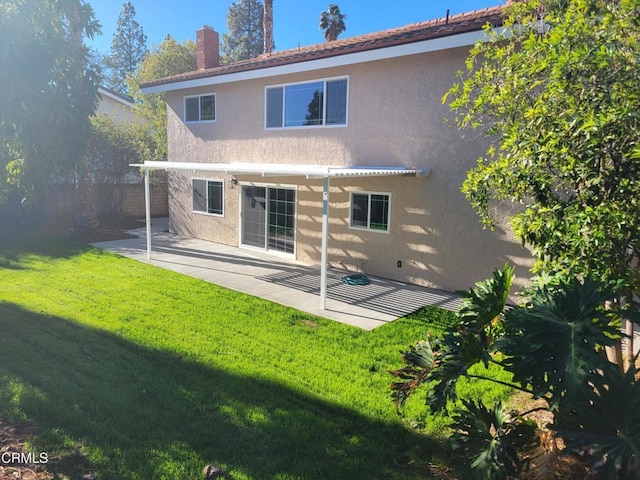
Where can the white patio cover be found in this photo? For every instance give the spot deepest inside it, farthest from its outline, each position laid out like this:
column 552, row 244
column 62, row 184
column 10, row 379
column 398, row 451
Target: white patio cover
column 273, row 170
column 277, row 169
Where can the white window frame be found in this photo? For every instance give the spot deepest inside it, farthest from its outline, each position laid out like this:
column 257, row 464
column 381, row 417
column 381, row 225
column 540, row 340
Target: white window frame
column 368, row 227
column 324, row 105
column 215, row 108
column 206, row 198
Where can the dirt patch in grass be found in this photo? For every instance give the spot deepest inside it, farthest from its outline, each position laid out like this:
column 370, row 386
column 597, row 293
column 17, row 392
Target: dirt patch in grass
column 560, row 463
column 113, row 227
column 309, row 323
column 17, row 462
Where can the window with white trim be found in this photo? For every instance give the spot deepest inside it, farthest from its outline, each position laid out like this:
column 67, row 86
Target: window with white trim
column 208, row 196
column 370, row 211
column 200, row 108
column 317, row 103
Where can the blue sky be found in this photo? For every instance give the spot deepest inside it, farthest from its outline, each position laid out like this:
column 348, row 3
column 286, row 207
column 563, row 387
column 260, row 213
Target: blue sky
column 295, row 21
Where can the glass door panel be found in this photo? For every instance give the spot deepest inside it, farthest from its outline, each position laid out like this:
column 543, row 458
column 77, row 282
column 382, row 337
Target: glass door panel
column 254, row 216
column 268, row 218
column 281, row 211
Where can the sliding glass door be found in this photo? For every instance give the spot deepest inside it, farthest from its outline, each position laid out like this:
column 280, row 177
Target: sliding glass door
column 254, row 208
column 268, row 218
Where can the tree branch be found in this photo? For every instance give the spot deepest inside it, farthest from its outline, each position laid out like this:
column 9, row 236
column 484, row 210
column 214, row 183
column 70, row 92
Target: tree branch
column 510, row 385
column 537, row 409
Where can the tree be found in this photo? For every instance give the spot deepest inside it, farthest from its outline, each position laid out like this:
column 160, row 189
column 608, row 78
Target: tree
column 314, row 109
column 128, row 47
column 268, row 27
column 83, row 93
column 558, row 93
column 246, row 33
column 332, row 23
column 114, row 146
column 49, row 93
column 168, row 58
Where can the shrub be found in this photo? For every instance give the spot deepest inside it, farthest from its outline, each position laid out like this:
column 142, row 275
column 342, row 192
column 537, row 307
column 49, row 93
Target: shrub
column 553, row 345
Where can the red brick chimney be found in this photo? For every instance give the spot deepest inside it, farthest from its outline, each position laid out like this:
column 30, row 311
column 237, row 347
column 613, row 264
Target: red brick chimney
column 208, row 48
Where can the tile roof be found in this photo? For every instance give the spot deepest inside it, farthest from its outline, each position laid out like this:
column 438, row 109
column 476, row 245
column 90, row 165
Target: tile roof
column 417, row 32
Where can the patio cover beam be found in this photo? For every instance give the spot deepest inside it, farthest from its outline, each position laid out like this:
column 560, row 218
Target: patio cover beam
column 273, row 170
column 277, row 169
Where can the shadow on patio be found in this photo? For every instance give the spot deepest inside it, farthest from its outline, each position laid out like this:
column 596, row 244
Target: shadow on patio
column 281, row 280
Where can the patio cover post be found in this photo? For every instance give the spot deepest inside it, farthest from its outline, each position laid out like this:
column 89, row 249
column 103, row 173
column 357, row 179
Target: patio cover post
column 325, row 235
column 147, row 211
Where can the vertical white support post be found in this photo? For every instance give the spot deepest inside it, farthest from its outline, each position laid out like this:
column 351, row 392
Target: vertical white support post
column 325, row 238
column 147, row 210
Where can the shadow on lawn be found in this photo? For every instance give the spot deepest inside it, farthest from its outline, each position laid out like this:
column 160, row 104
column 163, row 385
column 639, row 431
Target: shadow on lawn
column 148, row 414
column 14, row 245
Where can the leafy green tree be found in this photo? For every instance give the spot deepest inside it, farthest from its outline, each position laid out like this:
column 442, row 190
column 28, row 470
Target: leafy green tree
column 49, row 92
column 168, row 58
column 128, row 47
column 560, row 99
column 113, row 146
column 558, row 95
column 332, row 23
column 246, row 32
column 557, row 92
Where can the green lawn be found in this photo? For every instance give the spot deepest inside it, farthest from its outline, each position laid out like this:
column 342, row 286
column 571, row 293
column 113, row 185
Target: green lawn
column 155, row 375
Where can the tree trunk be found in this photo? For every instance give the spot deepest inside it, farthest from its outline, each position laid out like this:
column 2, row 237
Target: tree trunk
column 86, row 216
column 614, row 353
column 268, row 26
column 628, row 343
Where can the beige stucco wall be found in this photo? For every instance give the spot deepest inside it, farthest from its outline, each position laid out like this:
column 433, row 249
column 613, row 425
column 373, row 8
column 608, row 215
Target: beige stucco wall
column 118, row 112
column 395, row 117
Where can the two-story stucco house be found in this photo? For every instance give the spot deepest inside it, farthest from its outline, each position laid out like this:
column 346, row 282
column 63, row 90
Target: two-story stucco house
column 336, row 154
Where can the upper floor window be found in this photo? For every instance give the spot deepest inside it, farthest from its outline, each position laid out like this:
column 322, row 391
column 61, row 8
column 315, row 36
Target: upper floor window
column 322, row 102
column 201, row 108
column 208, row 196
column 370, row 211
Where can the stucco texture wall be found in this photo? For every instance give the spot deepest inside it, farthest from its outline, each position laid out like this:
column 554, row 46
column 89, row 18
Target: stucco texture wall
column 118, row 112
column 395, row 118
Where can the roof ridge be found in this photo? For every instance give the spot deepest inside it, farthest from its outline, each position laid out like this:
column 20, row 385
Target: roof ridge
column 411, row 33
column 435, row 22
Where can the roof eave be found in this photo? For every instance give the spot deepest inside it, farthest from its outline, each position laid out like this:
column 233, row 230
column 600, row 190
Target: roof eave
column 465, row 39
column 115, row 96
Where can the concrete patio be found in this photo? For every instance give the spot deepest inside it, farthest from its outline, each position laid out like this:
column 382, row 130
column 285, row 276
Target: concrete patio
column 279, row 279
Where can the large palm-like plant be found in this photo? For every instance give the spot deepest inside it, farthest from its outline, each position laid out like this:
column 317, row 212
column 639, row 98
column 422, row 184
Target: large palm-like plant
column 332, row 22
column 553, row 346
